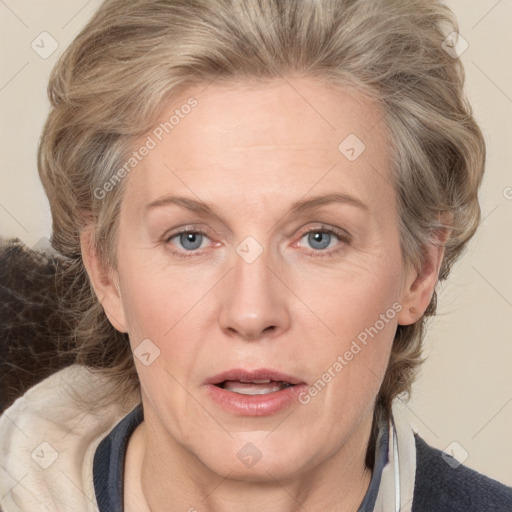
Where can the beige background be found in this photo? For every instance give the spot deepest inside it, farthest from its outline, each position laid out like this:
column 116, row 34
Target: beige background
column 464, row 393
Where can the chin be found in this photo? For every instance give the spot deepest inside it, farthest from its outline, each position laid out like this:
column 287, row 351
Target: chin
column 253, row 458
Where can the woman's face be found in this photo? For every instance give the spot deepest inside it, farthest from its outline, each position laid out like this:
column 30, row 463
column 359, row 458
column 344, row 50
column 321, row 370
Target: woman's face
column 260, row 276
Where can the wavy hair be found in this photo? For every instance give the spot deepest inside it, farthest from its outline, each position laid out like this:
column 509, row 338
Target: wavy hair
column 109, row 86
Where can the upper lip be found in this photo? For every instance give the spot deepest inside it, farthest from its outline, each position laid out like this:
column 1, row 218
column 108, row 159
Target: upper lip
column 252, row 375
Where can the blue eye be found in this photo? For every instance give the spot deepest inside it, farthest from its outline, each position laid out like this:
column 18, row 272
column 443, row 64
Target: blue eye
column 326, row 241
column 190, row 240
column 319, row 239
column 187, row 243
column 321, row 242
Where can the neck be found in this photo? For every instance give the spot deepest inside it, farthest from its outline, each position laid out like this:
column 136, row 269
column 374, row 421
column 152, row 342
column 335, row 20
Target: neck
column 168, row 475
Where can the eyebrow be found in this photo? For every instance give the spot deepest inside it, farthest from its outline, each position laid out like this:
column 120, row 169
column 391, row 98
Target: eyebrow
column 296, row 208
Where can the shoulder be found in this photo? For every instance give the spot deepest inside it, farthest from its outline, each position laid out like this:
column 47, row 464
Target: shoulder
column 443, row 487
column 48, row 438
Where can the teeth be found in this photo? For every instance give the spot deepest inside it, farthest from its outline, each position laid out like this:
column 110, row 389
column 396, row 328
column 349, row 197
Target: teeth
column 255, row 387
column 264, row 381
column 255, row 390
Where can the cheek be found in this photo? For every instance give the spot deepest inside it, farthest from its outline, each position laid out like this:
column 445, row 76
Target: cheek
column 358, row 310
column 353, row 298
column 164, row 306
column 156, row 298
column 161, row 307
column 350, row 373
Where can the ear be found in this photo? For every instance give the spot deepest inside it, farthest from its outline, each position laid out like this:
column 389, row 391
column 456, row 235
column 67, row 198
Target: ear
column 420, row 284
column 104, row 281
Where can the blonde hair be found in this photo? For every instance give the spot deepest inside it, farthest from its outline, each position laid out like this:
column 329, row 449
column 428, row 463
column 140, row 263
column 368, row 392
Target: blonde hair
column 108, row 88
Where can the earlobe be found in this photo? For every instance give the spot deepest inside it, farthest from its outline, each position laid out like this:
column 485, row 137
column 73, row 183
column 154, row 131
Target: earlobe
column 103, row 281
column 420, row 284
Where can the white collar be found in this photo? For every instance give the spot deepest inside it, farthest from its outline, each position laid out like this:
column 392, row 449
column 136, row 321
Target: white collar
column 396, row 488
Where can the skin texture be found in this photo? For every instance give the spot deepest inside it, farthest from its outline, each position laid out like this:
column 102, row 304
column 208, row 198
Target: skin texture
column 250, row 151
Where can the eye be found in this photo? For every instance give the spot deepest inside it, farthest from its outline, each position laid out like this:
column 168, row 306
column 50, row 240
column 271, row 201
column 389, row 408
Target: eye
column 188, row 240
column 325, row 241
column 319, row 239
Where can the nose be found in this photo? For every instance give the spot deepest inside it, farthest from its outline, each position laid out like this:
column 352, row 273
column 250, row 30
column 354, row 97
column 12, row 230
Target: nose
column 253, row 302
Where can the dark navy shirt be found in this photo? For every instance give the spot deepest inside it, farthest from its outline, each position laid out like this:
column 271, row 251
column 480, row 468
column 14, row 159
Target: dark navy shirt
column 108, row 467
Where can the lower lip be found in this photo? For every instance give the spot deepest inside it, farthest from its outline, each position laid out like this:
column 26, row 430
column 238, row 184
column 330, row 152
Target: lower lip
column 255, row 405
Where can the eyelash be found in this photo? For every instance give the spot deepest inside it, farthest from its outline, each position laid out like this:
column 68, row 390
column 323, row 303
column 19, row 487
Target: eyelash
column 343, row 237
column 186, row 254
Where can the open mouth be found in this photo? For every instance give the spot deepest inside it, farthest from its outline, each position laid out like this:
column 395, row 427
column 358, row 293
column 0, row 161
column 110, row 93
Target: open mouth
column 254, row 392
column 254, row 387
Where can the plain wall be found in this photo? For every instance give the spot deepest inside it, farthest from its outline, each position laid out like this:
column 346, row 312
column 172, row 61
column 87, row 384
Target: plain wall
column 464, row 391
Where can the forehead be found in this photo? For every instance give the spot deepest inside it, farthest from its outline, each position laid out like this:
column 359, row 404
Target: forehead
column 273, row 139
